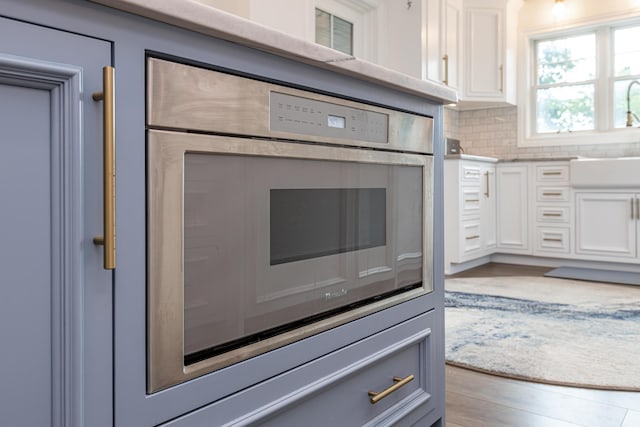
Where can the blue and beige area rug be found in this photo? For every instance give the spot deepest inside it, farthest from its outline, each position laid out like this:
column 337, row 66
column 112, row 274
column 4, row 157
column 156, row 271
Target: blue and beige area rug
column 548, row 330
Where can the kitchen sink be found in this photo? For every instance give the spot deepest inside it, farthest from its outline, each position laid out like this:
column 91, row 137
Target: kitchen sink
column 608, row 172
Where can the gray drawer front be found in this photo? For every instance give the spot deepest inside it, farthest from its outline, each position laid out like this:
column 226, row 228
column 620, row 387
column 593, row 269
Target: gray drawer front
column 333, row 390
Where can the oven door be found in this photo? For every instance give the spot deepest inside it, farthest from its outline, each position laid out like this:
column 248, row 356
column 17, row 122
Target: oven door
column 254, row 244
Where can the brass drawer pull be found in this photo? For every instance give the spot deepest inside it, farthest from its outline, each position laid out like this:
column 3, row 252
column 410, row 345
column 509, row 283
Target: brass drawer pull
column 108, row 239
column 486, row 194
column 552, row 194
column 551, row 214
column 549, row 239
column 375, row 397
column 472, row 237
column 472, row 200
column 551, row 173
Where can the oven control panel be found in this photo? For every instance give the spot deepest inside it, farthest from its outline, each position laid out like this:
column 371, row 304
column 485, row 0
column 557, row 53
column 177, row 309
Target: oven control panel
column 296, row 114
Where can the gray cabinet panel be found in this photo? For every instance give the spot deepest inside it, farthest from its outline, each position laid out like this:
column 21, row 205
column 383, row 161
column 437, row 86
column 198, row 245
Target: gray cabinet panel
column 55, row 298
column 25, row 257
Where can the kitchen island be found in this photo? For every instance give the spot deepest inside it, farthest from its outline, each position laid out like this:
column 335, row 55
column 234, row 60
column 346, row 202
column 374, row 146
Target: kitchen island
column 88, row 335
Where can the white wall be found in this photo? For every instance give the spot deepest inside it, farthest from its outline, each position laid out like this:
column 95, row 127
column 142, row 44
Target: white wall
column 392, row 34
column 237, row 7
column 401, row 36
column 536, row 14
column 294, row 17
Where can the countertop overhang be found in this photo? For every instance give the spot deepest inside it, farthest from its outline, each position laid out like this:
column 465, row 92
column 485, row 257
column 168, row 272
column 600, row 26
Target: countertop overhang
column 196, row 16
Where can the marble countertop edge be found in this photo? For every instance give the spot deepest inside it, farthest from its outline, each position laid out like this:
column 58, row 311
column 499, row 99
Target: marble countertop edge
column 196, row 16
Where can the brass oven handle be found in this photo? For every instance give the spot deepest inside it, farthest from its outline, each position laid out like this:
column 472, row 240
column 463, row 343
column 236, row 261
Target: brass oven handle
column 375, row 397
column 445, row 58
column 109, row 179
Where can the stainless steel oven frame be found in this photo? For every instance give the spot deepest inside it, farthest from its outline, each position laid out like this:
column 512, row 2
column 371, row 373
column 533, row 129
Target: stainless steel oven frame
column 166, row 152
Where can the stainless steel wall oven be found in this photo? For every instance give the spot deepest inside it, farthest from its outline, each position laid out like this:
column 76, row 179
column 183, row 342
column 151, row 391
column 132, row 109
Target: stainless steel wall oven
column 274, row 214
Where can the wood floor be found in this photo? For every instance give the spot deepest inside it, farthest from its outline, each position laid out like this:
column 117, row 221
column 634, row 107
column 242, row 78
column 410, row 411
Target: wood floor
column 477, row 400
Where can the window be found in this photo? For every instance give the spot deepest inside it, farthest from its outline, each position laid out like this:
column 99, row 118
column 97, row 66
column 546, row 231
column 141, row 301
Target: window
column 565, row 84
column 334, row 32
column 626, row 69
column 579, row 81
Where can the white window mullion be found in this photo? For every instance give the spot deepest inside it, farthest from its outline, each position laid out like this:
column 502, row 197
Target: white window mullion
column 604, row 82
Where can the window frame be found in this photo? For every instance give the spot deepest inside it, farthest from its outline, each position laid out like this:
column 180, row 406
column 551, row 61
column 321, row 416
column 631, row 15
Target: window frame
column 603, row 132
column 332, row 18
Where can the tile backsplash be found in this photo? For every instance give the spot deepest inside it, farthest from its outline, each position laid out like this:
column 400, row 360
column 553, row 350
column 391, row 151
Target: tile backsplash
column 493, row 132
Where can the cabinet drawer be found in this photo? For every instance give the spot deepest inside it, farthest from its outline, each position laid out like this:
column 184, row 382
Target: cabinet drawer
column 552, row 240
column 552, row 173
column 333, row 390
column 553, row 214
column 470, row 201
column 553, row 194
column 470, row 173
column 470, row 235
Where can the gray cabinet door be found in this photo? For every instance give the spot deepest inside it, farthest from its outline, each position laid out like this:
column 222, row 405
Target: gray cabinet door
column 55, row 297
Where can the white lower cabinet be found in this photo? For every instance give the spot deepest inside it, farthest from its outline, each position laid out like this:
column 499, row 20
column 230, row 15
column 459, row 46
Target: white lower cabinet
column 553, row 222
column 470, row 210
column 512, row 184
column 607, row 225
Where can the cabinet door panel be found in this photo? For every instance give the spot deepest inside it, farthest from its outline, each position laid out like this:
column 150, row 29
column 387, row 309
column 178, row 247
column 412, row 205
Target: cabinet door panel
column 55, row 298
column 484, row 53
column 513, row 216
column 605, row 225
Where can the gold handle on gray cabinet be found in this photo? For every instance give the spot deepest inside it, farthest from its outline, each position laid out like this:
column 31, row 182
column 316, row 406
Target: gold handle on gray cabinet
column 551, row 214
column 107, row 96
column 551, row 173
column 375, row 397
column 549, row 239
column 472, row 237
column 632, row 217
column 445, row 58
column 552, row 194
column 487, row 176
column 501, row 78
column 638, row 208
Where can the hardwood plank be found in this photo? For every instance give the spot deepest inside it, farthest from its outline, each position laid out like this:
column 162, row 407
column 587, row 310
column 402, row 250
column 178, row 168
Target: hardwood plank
column 632, row 419
column 623, row 399
column 494, row 269
column 466, row 411
column 544, row 402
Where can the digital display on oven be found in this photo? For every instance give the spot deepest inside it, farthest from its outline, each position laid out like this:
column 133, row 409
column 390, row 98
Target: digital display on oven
column 336, row 122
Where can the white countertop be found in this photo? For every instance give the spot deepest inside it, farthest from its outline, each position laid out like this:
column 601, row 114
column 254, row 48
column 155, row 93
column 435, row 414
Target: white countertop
column 195, row 16
column 463, row 156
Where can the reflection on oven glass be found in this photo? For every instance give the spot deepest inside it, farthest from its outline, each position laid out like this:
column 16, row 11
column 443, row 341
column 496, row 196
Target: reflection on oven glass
column 271, row 244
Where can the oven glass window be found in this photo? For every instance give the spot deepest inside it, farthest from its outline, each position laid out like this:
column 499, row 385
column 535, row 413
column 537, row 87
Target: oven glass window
column 271, row 244
column 315, row 222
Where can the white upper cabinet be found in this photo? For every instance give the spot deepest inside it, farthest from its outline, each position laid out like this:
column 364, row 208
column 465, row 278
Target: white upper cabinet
column 489, row 62
column 446, row 53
